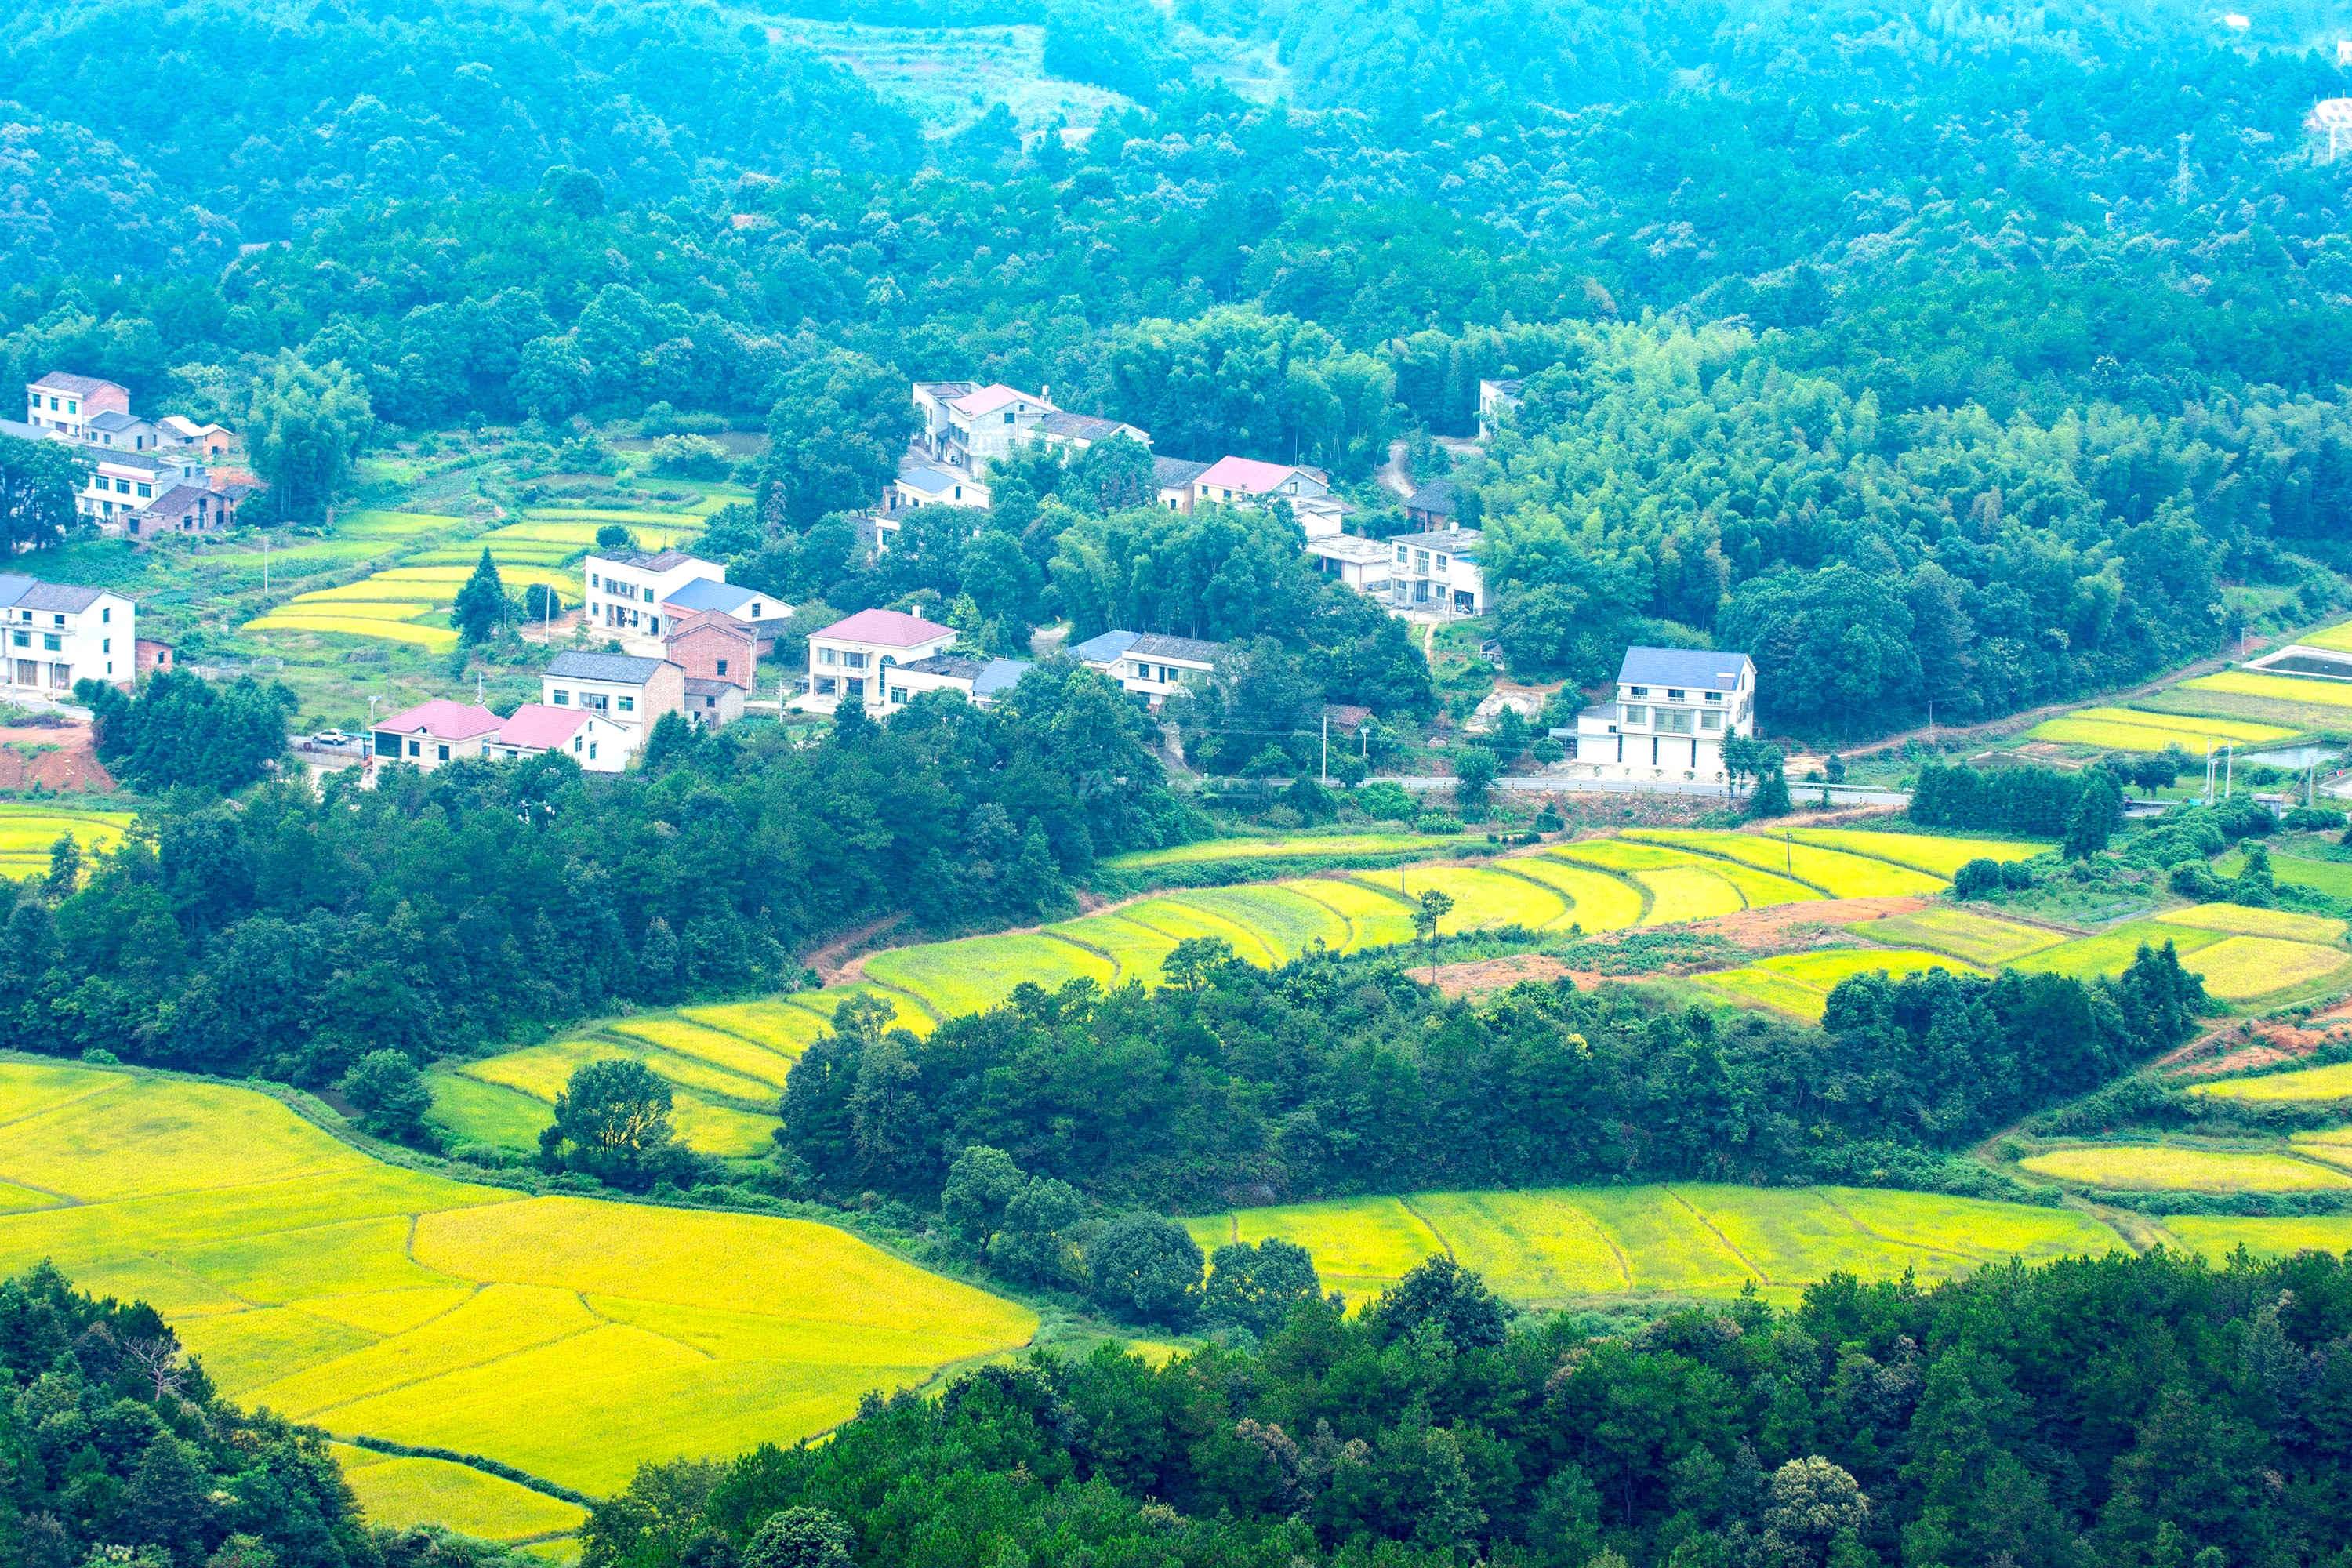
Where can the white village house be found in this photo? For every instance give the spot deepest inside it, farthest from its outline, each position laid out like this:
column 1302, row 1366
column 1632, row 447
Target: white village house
column 1674, row 708
column 54, row 634
column 1437, row 574
column 1148, row 665
column 975, row 678
column 853, row 659
column 623, row 592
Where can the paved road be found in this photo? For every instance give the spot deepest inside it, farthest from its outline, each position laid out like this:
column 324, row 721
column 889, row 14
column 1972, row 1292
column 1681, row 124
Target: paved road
column 1558, row 784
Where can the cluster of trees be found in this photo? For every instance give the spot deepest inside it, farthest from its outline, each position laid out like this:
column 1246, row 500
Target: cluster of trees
column 117, row 1445
column 2133, row 1412
column 182, row 729
column 298, row 930
column 1338, row 1076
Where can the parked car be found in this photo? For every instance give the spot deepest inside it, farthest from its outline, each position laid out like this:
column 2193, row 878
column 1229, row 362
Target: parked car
column 334, row 739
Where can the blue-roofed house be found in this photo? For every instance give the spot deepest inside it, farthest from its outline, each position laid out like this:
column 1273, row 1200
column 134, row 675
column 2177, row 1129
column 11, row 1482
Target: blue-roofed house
column 1674, row 708
column 978, row 679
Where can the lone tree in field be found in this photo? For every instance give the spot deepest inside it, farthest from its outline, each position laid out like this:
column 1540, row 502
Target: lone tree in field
column 482, row 602
column 613, row 1116
column 1435, row 905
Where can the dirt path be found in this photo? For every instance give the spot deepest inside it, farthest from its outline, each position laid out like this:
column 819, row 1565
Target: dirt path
column 1391, row 473
column 832, row 968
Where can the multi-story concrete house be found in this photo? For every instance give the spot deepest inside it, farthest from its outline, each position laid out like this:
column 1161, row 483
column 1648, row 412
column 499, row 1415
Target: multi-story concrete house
column 1151, row 666
column 618, row 688
column 1363, row 565
column 54, row 633
column 623, row 592
column 1246, row 482
column 968, row 428
column 1496, row 401
column 852, row 659
column 1674, row 708
column 708, row 645
column 1437, row 574
column 122, row 485
column 66, row 404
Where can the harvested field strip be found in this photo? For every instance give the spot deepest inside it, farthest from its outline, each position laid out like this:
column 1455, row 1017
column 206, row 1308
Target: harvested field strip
column 412, row 1308
column 1980, row 939
column 1938, row 857
column 2322, row 1083
column 1598, row 901
column 1560, row 1246
column 1836, row 872
column 2163, row 1167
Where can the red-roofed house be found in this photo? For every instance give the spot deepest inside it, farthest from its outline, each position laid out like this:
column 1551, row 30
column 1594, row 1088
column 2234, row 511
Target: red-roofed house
column 1246, row 482
column 848, row 659
column 537, row 728
column 434, row 733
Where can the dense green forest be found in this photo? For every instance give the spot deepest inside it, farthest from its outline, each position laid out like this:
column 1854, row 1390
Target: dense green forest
column 1955, row 355
column 295, row 931
column 2149, row 1411
column 1334, row 1077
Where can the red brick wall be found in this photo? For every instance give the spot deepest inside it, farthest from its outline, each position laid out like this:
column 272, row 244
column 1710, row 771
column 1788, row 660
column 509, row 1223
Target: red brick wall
column 700, row 647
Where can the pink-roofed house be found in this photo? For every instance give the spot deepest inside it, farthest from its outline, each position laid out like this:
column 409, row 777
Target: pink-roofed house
column 1246, row 482
column 967, row 427
column 433, row 734
column 536, row 729
column 851, row 659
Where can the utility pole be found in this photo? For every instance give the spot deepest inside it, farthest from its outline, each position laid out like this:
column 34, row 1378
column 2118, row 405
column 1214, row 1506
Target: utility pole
column 2228, row 770
column 1326, row 745
column 1931, row 720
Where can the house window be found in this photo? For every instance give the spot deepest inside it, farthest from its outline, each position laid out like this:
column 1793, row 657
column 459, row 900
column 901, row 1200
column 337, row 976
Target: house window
column 415, row 749
column 21, row 639
column 826, row 655
column 148, row 491
column 106, row 644
column 649, row 595
column 122, row 486
column 722, row 666
column 855, row 689
column 442, row 752
column 1401, row 556
column 1710, row 721
column 1637, row 691
column 591, row 751
column 1008, row 416
column 1636, row 715
column 52, row 643
column 756, row 611
column 1714, row 697
column 1674, row 694
column 106, row 617
column 826, row 685
column 561, row 698
column 628, row 704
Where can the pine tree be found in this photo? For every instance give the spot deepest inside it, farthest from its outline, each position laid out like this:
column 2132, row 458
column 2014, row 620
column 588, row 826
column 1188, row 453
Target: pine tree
column 482, row 602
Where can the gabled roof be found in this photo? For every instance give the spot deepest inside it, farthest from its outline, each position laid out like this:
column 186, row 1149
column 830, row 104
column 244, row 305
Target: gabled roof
column 114, row 419
column 945, row 391
column 885, row 628
column 24, row 432
column 443, row 720
column 621, row 669
column 705, row 685
column 703, row 593
column 1246, row 475
column 123, row 457
column 18, row 591
column 1082, row 426
column 78, row 386
column 1700, row 670
column 1176, row 473
column 1001, row 675
column 993, row 396
column 928, row 477
column 1437, row 496
column 541, row 726
column 184, row 499
column 954, row 666
column 1107, row 648
column 1152, row 644
column 181, row 425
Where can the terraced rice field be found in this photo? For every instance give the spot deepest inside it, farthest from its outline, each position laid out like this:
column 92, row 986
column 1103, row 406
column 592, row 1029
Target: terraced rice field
column 2129, row 730
column 398, row 1491
column 1836, row 872
column 2338, row 638
column 2278, row 687
column 2243, row 953
column 1559, row 1246
column 1937, row 856
column 28, row 832
column 2333, row 878
column 1800, row 983
column 571, row 1337
column 1980, row 939
column 726, row 1098
column 2163, row 1167
column 2321, row 1083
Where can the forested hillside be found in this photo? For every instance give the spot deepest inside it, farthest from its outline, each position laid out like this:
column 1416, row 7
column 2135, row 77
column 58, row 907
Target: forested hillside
column 1964, row 356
